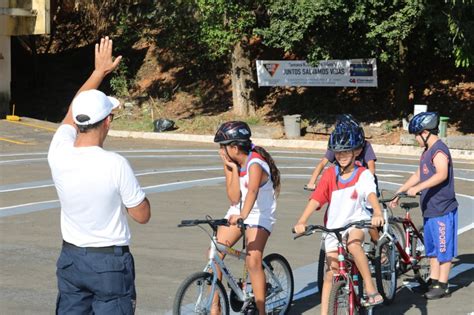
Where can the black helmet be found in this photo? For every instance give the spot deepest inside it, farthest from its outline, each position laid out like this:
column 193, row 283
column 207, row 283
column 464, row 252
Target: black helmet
column 233, row 131
column 346, row 137
column 424, row 121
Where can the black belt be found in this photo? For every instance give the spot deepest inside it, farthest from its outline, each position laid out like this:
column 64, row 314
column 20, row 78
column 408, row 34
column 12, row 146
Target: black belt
column 106, row 250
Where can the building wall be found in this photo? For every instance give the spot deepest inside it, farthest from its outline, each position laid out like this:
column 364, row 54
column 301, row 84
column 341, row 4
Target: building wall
column 5, row 75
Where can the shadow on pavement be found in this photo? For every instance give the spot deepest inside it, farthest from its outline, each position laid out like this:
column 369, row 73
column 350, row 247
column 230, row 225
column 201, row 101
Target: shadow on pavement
column 306, row 305
column 405, row 300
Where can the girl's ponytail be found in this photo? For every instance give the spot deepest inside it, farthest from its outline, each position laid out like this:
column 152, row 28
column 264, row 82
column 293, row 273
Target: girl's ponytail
column 274, row 172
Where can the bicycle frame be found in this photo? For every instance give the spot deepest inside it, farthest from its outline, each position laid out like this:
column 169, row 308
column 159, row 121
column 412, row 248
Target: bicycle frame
column 215, row 262
column 344, row 274
column 408, row 227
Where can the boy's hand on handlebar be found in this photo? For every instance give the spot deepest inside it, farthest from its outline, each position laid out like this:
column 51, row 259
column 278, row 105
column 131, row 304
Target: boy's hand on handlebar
column 394, row 202
column 377, row 220
column 413, row 191
column 310, row 187
column 299, row 228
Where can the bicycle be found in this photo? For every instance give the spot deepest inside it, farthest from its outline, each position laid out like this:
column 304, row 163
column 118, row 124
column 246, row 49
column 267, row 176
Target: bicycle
column 347, row 292
column 399, row 251
column 203, row 287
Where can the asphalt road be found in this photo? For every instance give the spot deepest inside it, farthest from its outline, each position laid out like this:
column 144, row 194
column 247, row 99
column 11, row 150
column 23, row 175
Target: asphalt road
column 184, row 181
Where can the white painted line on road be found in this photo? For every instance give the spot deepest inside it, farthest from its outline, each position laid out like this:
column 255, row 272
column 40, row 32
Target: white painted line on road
column 466, row 228
column 388, row 175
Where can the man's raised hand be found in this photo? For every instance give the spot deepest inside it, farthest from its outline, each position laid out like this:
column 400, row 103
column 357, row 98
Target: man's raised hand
column 104, row 61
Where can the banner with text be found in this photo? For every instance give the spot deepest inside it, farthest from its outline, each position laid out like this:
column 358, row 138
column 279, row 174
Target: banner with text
column 352, row 72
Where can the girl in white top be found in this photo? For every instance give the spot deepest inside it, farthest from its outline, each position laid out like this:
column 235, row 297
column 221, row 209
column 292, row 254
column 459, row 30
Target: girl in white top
column 252, row 183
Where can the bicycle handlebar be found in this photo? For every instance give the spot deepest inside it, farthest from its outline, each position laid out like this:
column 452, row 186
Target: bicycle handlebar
column 399, row 195
column 214, row 223
column 308, row 188
column 311, row 229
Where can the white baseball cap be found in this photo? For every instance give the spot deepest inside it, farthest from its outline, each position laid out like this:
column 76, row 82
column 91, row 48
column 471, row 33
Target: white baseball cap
column 91, row 106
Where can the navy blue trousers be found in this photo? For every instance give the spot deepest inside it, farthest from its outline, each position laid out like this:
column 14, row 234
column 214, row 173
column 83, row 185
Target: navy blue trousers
column 92, row 282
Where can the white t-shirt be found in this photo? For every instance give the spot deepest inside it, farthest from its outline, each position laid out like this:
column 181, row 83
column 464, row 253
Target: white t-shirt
column 263, row 211
column 347, row 198
column 93, row 186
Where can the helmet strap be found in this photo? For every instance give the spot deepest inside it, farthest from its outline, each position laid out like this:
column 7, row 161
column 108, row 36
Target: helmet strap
column 425, row 140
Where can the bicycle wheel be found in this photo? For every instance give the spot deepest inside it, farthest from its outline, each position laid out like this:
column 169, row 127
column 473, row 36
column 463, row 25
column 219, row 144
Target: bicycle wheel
column 194, row 295
column 280, row 284
column 398, row 232
column 422, row 268
column 385, row 263
column 321, row 268
column 339, row 298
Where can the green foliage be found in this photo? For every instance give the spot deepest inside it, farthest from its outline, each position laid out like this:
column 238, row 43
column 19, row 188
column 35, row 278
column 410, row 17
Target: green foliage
column 223, row 23
column 461, row 26
column 119, row 81
column 253, row 120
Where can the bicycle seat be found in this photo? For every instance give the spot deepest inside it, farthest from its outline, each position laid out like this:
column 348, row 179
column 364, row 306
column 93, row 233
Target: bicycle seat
column 409, row 205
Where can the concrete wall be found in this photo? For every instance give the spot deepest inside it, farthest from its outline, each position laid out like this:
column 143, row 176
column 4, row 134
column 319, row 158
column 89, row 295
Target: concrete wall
column 5, row 75
column 15, row 22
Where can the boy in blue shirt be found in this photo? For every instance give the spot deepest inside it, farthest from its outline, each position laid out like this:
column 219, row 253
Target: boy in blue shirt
column 434, row 179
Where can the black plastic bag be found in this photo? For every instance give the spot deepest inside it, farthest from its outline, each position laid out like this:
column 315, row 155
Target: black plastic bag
column 163, row 124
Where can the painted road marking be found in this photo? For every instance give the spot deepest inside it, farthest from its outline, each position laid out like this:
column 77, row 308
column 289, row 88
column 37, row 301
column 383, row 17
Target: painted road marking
column 13, row 141
column 465, row 202
column 32, row 125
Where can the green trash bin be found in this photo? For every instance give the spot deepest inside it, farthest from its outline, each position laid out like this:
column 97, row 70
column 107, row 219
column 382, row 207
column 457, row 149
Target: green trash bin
column 443, row 126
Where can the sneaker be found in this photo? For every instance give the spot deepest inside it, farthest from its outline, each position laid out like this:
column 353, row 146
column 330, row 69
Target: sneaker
column 437, row 293
column 422, row 289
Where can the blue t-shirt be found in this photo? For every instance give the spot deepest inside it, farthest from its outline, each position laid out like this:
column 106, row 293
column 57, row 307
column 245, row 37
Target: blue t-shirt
column 365, row 156
column 440, row 199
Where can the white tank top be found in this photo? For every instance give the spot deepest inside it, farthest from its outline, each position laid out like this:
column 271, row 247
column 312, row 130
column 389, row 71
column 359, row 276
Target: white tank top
column 263, row 211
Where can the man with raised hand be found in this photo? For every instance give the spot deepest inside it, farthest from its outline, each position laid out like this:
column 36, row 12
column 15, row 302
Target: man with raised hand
column 97, row 189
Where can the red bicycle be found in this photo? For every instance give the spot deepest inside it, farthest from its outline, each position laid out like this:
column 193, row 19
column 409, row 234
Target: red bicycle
column 347, row 292
column 399, row 250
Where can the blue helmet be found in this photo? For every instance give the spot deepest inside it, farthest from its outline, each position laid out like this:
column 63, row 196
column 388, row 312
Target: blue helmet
column 348, row 119
column 346, row 137
column 424, row 121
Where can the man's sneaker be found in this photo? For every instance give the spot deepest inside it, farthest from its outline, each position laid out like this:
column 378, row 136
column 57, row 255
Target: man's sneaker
column 437, row 293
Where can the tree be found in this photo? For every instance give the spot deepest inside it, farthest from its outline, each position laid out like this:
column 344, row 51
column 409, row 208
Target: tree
column 226, row 28
column 403, row 35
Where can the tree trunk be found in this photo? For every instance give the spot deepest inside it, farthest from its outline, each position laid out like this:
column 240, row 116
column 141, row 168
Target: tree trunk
column 243, row 81
column 402, row 84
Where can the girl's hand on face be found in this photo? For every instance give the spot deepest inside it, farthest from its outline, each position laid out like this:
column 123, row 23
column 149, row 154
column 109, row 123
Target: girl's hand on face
column 225, row 158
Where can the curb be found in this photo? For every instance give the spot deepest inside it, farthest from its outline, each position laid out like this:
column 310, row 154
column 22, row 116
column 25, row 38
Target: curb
column 297, row 144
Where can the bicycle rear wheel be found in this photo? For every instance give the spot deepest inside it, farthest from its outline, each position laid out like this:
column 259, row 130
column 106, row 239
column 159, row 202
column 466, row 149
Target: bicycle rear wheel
column 422, row 268
column 385, row 263
column 280, row 284
column 194, row 296
column 398, row 232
